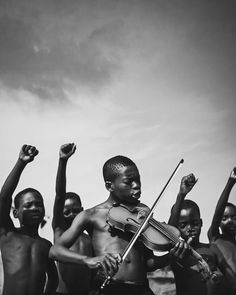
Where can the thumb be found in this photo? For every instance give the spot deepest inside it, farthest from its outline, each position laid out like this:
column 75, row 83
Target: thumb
column 189, row 241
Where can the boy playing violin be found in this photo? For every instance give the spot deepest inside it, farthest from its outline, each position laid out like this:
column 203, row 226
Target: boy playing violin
column 122, row 180
column 225, row 219
column 185, row 215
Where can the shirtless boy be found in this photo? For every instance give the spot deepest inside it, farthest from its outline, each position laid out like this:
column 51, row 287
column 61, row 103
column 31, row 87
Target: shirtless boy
column 185, row 215
column 24, row 253
column 77, row 278
column 225, row 219
column 122, row 180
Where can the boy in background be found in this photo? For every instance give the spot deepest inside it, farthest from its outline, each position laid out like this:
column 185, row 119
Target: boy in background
column 225, row 219
column 185, row 215
column 77, row 278
column 24, row 253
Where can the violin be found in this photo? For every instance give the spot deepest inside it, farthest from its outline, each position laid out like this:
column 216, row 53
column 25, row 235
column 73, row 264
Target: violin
column 157, row 236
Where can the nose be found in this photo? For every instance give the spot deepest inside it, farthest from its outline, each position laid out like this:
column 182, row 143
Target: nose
column 229, row 220
column 136, row 184
column 189, row 227
column 34, row 207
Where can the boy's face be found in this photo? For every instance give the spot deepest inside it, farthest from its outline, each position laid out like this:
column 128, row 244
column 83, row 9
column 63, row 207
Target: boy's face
column 190, row 225
column 31, row 209
column 71, row 208
column 228, row 222
column 127, row 185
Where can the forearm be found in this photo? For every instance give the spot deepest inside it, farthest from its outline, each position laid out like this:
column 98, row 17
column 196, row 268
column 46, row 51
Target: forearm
column 12, row 180
column 64, row 255
column 220, row 207
column 58, row 217
column 10, row 184
column 219, row 211
column 175, row 212
column 61, row 177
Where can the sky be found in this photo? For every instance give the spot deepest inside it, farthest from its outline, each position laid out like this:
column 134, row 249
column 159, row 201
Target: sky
column 153, row 80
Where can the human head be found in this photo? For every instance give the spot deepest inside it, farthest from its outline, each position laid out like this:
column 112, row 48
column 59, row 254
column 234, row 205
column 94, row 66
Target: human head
column 72, row 207
column 190, row 222
column 122, row 179
column 29, row 207
column 228, row 222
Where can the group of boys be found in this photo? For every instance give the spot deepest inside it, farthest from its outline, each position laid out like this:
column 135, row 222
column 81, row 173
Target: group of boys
column 86, row 261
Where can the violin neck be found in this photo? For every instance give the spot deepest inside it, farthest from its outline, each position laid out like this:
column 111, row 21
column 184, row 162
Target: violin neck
column 159, row 226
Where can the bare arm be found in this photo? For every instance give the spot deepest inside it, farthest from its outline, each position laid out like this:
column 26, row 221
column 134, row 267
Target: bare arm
column 26, row 155
column 58, row 223
column 187, row 183
column 60, row 250
column 213, row 231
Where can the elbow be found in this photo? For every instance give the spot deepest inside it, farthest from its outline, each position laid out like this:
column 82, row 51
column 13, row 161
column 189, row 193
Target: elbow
column 53, row 253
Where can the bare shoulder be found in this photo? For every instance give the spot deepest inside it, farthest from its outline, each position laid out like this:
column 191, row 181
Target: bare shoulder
column 96, row 217
column 98, row 210
column 45, row 242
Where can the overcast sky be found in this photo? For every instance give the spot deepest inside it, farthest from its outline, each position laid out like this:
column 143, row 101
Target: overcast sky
column 153, row 80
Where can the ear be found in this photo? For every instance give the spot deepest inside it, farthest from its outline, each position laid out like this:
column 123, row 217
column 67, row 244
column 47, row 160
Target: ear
column 109, row 186
column 15, row 213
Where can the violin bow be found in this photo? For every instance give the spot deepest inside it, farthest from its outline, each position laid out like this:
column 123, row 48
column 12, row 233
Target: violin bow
column 138, row 232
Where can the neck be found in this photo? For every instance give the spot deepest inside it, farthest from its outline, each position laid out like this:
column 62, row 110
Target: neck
column 194, row 243
column 112, row 200
column 31, row 231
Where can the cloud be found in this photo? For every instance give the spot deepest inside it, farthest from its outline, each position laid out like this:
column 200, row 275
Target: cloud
column 38, row 56
column 53, row 48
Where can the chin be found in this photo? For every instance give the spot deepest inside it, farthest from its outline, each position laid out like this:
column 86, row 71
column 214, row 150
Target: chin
column 133, row 201
column 195, row 239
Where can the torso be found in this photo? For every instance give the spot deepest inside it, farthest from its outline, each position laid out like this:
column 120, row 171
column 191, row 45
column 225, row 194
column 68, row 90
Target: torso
column 77, row 278
column 134, row 266
column 24, row 262
column 189, row 280
column 228, row 250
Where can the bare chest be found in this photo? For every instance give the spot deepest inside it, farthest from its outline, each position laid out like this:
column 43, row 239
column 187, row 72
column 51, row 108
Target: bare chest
column 23, row 252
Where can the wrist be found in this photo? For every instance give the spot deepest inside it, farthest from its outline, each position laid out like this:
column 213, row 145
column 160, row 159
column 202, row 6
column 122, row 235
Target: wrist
column 21, row 162
column 63, row 160
column 182, row 194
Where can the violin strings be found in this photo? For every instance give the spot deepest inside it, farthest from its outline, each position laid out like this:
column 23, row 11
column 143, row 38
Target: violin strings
column 164, row 231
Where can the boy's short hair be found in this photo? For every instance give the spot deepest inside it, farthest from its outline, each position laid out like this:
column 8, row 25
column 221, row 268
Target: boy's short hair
column 112, row 166
column 73, row 196
column 188, row 204
column 22, row 193
column 230, row 205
